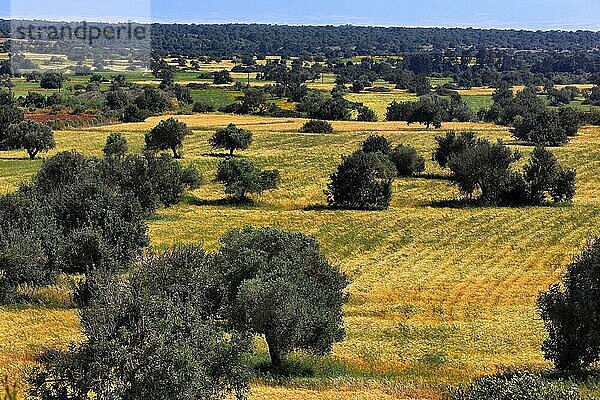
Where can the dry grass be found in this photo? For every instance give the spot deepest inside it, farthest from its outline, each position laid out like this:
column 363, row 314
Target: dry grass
column 438, row 295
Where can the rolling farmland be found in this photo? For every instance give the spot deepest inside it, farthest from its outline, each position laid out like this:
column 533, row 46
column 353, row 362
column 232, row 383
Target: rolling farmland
column 438, row 295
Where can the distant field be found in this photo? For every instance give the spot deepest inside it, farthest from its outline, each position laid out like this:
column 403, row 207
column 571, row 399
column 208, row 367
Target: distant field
column 380, row 101
column 438, row 295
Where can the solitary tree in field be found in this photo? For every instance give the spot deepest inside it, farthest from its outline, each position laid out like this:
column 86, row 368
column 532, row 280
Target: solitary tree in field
column 231, row 138
column 362, row 181
column 31, row 136
column 280, row 285
column 407, row 160
column 241, row 178
column 168, row 135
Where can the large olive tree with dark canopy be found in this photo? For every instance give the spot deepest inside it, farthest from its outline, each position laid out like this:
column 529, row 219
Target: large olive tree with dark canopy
column 156, row 335
column 571, row 311
column 279, row 284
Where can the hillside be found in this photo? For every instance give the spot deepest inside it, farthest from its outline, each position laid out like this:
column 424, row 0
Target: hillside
column 438, row 295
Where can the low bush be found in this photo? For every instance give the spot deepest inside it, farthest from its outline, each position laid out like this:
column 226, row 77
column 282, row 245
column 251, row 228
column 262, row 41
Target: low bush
column 316, row 126
column 202, row 107
column 520, row 386
column 407, row 160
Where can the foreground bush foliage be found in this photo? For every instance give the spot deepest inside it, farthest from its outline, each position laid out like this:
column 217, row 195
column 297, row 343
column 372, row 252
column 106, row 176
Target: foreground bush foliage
column 520, row 386
column 183, row 321
column 149, row 336
column 570, row 312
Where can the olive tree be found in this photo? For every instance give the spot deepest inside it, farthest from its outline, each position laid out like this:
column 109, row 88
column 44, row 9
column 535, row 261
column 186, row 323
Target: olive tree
column 231, row 138
column 31, row 136
column 452, row 143
column 570, row 311
column 30, row 244
column 168, row 135
column 362, row 181
column 376, row 143
column 406, row 160
column 155, row 335
column 484, row 168
column 241, row 178
column 280, row 285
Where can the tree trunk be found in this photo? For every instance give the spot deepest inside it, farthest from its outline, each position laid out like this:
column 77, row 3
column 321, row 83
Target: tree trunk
column 32, row 154
column 231, row 151
column 273, row 352
column 175, row 154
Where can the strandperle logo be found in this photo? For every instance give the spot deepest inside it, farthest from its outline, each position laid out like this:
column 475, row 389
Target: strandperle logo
column 83, row 31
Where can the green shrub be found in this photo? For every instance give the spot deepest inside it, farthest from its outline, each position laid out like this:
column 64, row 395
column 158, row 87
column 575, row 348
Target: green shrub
column 376, row 143
column 316, row 126
column 241, row 178
column 519, row 386
column 362, row 181
column 116, row 146
column 407, row 160
column 570, row 311
column 365, row 114
column 202, row 107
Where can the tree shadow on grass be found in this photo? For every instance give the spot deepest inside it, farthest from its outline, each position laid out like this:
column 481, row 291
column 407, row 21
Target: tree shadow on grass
column 289, row 368
column 454, row 203
column 221, row 155
column 586, row 377
column 223, row 202
column 317, row 207
column 432, row 176
column 325, row 207
column 476, row 203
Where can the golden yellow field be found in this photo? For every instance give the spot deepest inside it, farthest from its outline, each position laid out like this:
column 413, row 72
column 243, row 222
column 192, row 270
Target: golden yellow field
column 438, row 295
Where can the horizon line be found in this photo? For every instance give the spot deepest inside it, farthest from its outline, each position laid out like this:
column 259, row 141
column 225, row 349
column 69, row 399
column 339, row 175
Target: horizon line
column 174, row 22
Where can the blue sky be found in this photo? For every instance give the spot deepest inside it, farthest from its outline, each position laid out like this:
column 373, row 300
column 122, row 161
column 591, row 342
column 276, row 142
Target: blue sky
column 523, row 14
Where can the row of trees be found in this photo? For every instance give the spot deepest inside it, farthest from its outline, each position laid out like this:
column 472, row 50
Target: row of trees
column 531, row 120
column 430, row 110
column 79, row 214
column 484, row 171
